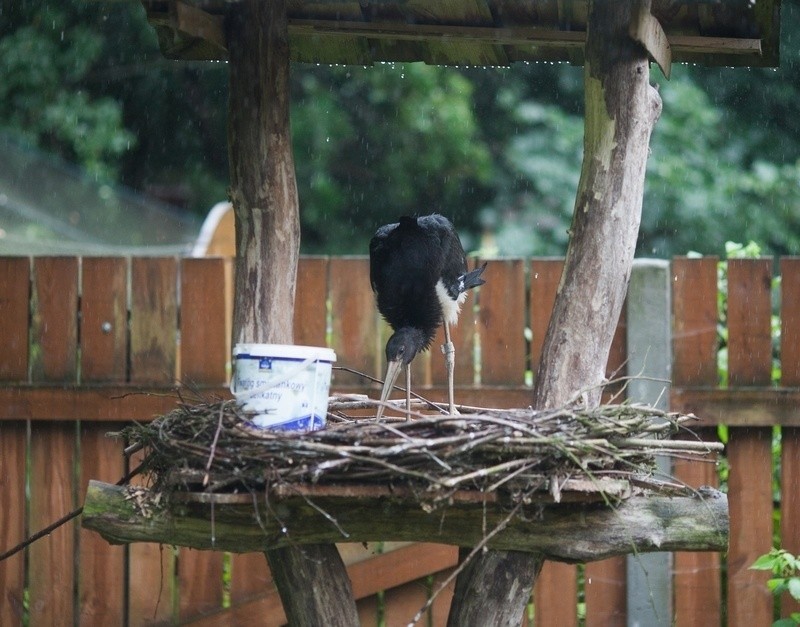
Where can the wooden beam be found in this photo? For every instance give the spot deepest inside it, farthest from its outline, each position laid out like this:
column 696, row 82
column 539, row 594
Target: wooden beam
column 739, row 407
column 566, row 532
column 646, row 29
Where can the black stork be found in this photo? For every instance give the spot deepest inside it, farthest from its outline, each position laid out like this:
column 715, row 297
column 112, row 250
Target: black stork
column 418, row 272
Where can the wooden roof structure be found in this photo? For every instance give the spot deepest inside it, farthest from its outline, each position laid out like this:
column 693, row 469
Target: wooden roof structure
column 474, row 32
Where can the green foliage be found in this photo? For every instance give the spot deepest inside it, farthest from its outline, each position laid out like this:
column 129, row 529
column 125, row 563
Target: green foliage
column 46, row 57
column 785, row 569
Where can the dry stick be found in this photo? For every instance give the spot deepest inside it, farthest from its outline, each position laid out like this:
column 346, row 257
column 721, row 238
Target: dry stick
column 61, row 521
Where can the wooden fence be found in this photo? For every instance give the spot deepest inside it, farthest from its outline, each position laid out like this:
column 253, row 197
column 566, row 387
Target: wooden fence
column 87, row 345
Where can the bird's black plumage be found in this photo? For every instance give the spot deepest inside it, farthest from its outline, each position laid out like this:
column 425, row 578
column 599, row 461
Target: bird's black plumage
column 418, row 272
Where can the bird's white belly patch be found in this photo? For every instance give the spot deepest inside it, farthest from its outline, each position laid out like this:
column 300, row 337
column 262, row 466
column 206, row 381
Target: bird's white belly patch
column 450, row 308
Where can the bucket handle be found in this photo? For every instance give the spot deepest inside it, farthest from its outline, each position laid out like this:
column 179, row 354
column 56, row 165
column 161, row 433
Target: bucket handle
column 263, row 388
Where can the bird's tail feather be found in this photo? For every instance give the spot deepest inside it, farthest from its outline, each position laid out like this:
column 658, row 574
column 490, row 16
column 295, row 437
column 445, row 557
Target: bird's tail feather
column 473, row 278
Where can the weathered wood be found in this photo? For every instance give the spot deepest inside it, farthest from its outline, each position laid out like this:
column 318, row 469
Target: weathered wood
column 263, row 187
column 14, row 303
column 154, row 319
column 153, row 359
column 565, row 532
column 621, row 110
column 51, row 575
column 104, row 319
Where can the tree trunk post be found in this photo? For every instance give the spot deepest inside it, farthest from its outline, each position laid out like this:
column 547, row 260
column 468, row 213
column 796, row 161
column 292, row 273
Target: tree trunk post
column 621, row 110
column 312, row 580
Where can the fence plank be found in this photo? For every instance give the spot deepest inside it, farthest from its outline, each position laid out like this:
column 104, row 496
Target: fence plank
column 698, row 589
column 790, row 436
column 154, row 314
column 749, row 449
column 104, row 319
column 501, row 323
column 355, row 320
column 153, row 334
column 14, row 304
column 545, row 277
column 310, row 306
column 12, row 520
column 52, row 464
column 104, row 358
column 555, row 596
column 203, row 361
column 102, row 565
column 556, row 580
column 606, row 593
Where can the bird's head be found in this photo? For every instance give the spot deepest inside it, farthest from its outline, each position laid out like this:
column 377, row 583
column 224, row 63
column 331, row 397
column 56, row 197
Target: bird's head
column 404, row 345
column 401, row 348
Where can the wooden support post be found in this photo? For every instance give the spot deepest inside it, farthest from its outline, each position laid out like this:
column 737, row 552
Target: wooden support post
column 621, row 110
column 312, row 580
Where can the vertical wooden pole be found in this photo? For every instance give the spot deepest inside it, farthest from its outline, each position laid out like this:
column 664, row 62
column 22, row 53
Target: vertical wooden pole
column 312, row 580
column 621, row 109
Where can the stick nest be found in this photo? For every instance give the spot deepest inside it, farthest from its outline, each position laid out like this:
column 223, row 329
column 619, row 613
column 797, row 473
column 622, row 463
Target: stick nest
column 212, row 447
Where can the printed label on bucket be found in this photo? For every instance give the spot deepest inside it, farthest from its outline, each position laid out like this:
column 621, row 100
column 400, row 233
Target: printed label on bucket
column 283, row 392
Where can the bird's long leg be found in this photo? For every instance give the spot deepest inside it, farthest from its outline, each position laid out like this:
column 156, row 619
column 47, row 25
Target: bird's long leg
column 449, row 351
column 408, row 392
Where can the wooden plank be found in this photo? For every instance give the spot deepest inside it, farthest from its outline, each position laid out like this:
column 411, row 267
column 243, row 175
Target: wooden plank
column 605, row 593
column 203, row 361
column 12, row 520
column 736, row 407
column 102, row 565
column 441, row 603
column 790, row 436
column 310, row 303
column 14, row 305
column 694, row 302
column 104, row 319
column 55, row 318
column 51, row 572
column 401, row 604
column 154, row 315
column 545, row 277
column 790, row 321
column 555, row 595
column 250, row 577
column 697, row 580
column 790, row 504
column 153, row 334
column 750, row 506
column 355, row 321
column 203, row 341
column 739, row 407
column 88, row 403
column 749, row 449
column 749, row 313
column 501, row 323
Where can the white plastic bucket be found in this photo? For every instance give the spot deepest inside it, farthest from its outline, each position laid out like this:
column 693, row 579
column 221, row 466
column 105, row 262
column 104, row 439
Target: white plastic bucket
column 283, row 387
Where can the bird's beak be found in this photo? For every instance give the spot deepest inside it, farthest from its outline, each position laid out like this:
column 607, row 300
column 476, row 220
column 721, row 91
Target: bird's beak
column 392, row 370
